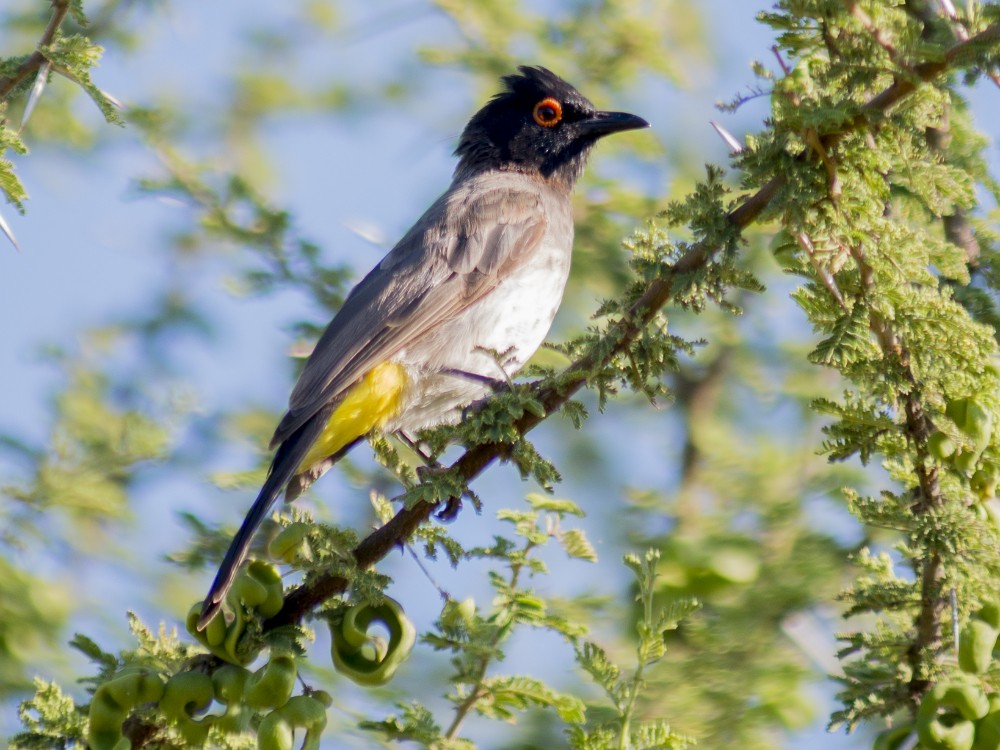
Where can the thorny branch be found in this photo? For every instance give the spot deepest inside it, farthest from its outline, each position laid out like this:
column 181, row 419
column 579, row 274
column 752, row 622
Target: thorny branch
column 476, row 459
column 33, row 62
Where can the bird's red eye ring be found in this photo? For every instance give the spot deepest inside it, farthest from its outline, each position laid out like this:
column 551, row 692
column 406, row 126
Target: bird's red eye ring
column 547, row 112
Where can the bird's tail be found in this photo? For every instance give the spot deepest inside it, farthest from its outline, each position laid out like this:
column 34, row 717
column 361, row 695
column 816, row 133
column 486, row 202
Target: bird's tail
column 284, row 467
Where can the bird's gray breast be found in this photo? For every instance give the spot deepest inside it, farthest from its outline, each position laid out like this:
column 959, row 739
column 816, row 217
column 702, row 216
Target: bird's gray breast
column 493, row 337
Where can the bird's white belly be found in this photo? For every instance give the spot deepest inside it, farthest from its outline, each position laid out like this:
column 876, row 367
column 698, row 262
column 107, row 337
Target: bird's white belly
column 490, row 340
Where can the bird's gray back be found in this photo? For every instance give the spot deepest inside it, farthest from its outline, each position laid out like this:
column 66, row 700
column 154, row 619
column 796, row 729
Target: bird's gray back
column 483, row 268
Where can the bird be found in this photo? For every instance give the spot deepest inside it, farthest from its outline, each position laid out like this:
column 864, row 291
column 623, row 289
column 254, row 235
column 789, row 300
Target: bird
column 457, row 306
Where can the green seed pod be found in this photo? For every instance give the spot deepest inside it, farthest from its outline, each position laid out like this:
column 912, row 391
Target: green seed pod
column 323, row 697
column 945, row 719
column 185, row 694
column 989, row 612
column 992, row 508
column 965, row 461
column 988, row 732
column 975, row 646
column 271, row 685
column 972, row 418
column 135, row 688
column 941, row 446
column 305, row 712
column 104, row 729
column 268, row 577
column 248, row 590
column 967, row 697
column 214, row 634
column 229, row 683
column 363, row 658
column 938, row 735
column 274, row 733
column 893, row 739
column 287, row 544
column 983, row 483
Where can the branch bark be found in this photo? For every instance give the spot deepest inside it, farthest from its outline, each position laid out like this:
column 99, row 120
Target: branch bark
column 33, row 62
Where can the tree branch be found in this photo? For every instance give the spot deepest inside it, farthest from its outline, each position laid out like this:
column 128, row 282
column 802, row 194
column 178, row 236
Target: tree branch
column 33, row 62
column 620, row 335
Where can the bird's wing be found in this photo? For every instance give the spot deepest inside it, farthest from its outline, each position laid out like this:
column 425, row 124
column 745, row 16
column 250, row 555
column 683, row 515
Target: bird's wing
column 458, row 251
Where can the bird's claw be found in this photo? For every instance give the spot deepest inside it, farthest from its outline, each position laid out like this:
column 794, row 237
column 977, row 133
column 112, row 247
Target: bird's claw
column 450, row 510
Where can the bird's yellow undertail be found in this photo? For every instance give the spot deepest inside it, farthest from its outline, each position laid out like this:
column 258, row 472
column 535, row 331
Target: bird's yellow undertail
column 369, row 405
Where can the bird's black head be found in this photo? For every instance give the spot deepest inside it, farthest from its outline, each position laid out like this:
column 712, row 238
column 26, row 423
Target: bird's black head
column 538, row 125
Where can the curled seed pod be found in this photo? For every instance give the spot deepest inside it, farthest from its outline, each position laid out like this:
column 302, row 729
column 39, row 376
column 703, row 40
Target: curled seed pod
column 947, row 715
column 247, row 589
column 104, row 728
column 287, row 544
column 988, row 728
column 275, row 733
column 213, row 637
column 185, row 694
column 363, row 658
column 308, row 713
column 941, row 446
column 323, row 697
column 989, row 612
column 229, row 683
column 972, row 418
column 268, row 577
column 135, row 687
column 271, row 685
column 893, row 739
column 984, row 483
column 112, row 702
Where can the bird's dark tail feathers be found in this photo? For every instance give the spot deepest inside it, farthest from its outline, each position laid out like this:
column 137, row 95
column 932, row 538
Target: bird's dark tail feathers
column 287, row 459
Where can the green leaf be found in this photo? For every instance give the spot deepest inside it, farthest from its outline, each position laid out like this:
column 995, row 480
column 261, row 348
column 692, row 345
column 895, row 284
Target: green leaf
column 74, row 57
column 576, row 544
column 503, row 696
column 552, row 505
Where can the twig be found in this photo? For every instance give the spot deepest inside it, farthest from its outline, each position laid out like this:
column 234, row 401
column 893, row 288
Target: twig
column 882, row 39
column 928, row 496
column 33, row 62
column 806, row 243
column 462, row 710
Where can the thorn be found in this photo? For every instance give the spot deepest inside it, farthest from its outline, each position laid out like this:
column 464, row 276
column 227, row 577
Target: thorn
column 949, row 8
column 5, row 228
column 115, row 101
column 36, row 93
column 734, row 145
column 781, row 61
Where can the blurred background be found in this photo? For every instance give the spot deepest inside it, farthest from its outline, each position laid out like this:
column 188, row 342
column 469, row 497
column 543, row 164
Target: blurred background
column 169, row 268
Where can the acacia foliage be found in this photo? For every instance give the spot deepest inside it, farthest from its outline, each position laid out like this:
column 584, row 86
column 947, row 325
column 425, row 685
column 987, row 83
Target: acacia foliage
column 865, row 180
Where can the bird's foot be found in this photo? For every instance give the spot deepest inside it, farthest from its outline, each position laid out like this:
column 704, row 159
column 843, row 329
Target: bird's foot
column 450, row 510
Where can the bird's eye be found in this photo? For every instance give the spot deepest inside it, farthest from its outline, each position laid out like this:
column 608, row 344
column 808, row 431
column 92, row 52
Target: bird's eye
column 547, row 112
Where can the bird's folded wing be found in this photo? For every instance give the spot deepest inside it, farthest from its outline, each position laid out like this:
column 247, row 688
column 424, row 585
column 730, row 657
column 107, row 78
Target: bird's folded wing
column 454, row 255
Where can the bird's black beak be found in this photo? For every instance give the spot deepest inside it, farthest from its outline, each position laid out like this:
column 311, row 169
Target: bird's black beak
column 604, row 123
